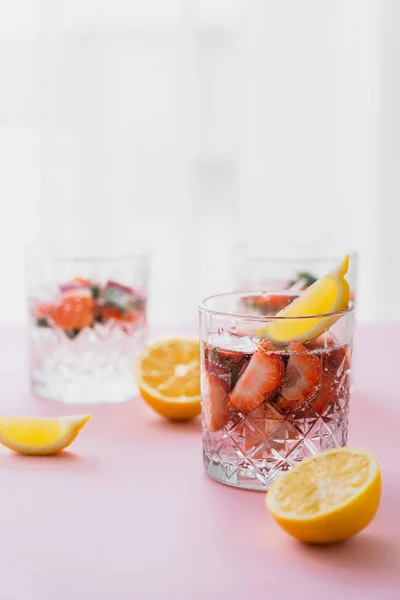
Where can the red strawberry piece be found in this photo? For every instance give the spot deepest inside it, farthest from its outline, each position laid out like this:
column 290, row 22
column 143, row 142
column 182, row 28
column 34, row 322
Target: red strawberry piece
column 215, row 399
column 338, row 359
column 333, row 387
column 261, row 379
column 225, row 363
column 43, row 310
column 326, row 396
column 277, row 302
column 212, row 363
column 108, row 312
column 229, row 356
column 223, row 373
column 74, row 310
column 216, row 369
column 326, row 340
column 302, row 379
column 222, row 356
column 134, row 316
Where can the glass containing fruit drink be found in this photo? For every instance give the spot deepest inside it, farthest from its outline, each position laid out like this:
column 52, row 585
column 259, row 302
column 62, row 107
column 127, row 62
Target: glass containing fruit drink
column 87, row 322
column 275, row 388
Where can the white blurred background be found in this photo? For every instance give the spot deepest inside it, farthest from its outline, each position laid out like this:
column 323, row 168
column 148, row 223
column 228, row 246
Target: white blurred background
column 190, row 125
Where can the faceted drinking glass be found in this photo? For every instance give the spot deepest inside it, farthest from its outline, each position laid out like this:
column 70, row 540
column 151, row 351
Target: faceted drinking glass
column 87, row 322
column 267, row 404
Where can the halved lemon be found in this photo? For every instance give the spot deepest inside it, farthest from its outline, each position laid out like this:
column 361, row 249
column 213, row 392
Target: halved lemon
column 328, row 497
column 329, row 294
column 168, row 376
column 38, row 435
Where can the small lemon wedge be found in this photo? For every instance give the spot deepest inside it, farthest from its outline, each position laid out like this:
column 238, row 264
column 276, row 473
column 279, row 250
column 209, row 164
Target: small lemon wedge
column 168, row 376
column 38, row 435
column 329, row 294
column 328, row 497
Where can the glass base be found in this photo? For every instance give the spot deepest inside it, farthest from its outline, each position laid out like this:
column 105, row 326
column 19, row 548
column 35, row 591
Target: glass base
column 86, row 391
column 251, row 464
column 95, row 367
column 243, row 478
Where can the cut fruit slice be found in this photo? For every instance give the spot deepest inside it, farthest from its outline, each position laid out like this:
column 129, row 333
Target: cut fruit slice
column 168, row 376
column 261, row 379
column 329, row 294
column 338, row 359
column 215, row 400
column 74, row 310
column 303, row 378
column 40, row 436
column 333, row 389
column 328, row 497
column 225, row 363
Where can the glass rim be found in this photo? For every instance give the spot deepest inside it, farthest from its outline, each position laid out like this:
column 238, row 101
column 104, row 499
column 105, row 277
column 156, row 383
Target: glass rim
column 44, row 252
column 203, row 308
column 253, row 253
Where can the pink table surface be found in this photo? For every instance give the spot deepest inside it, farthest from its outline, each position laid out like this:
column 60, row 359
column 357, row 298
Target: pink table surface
column 130, row 514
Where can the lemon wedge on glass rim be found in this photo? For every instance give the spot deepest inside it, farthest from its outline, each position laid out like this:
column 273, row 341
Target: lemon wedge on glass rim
column 330, row 294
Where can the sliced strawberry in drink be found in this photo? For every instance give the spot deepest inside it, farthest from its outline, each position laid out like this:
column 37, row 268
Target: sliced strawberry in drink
column 303, row 377
column 333, row 387
column 220, row 371
column 338, row 359
column 74, row 310
column 133, row 316
column 43, row 310
column 326, row 340
column 225, row 355
column 217, row 369
column 215, row 399
column 108, row 312
column 261, row 379
column 327, row 394
column 225, row 363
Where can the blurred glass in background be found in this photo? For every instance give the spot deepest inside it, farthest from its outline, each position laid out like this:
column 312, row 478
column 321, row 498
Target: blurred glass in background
column 253, row 270
column 87, row 322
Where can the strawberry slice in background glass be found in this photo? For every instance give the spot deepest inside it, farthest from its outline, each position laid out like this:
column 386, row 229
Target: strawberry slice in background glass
column 255, row 269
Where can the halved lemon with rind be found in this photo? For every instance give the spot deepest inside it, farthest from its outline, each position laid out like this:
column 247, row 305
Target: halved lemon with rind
column 40, row 435
column 330, row 294
column 168, row 377
column 328, row 497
